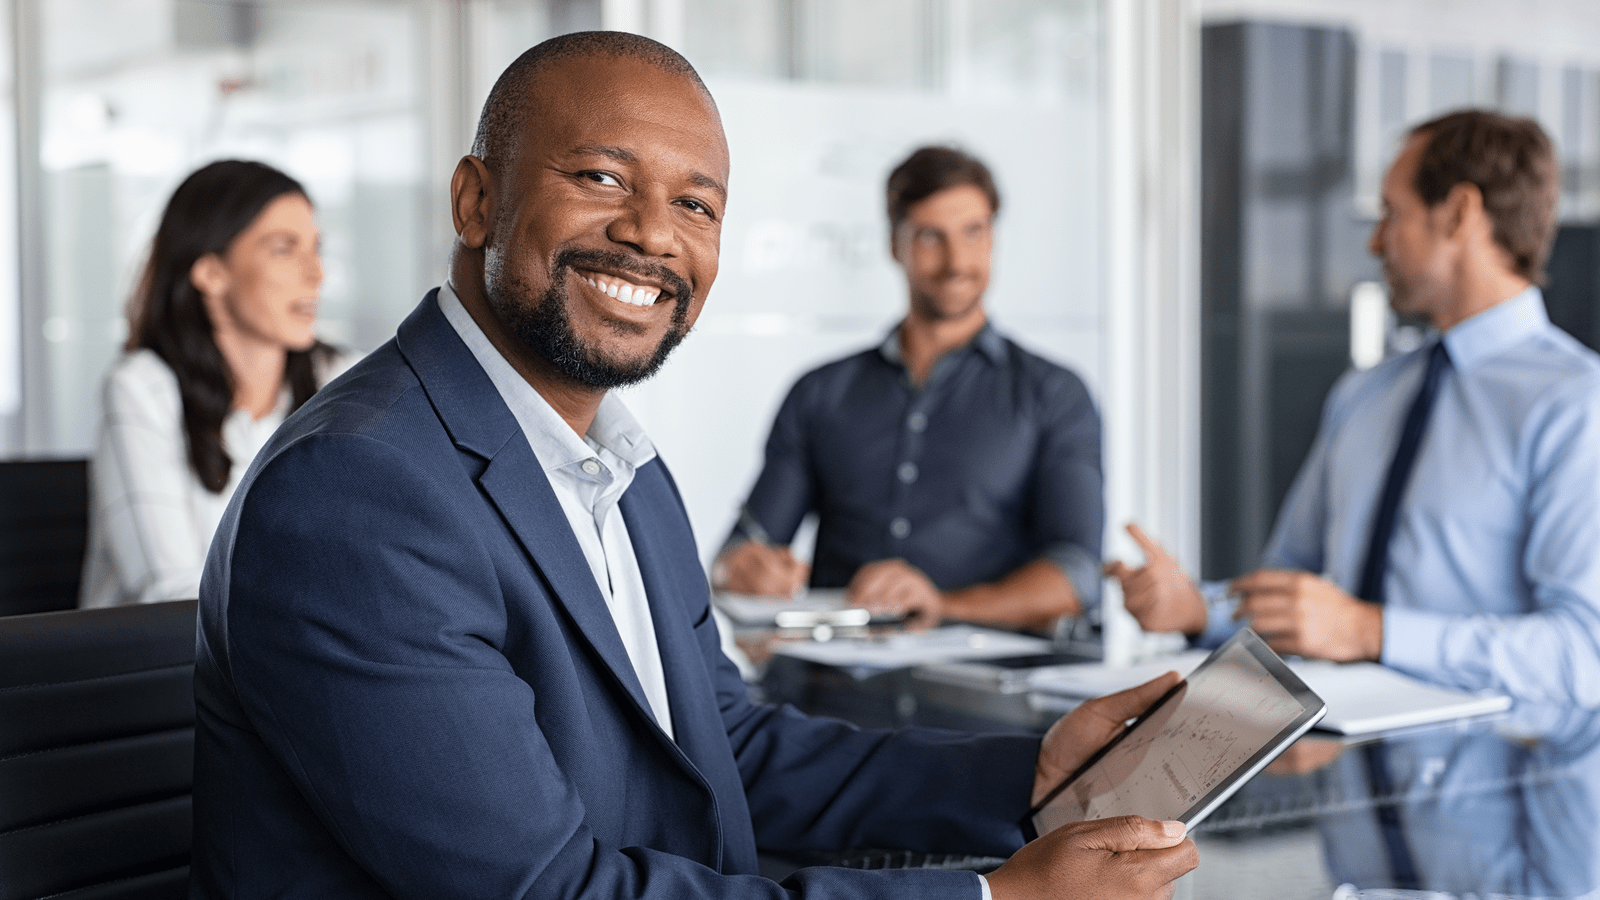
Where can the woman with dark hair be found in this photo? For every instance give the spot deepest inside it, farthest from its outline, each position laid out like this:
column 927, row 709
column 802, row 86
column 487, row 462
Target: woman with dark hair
column 221, row 348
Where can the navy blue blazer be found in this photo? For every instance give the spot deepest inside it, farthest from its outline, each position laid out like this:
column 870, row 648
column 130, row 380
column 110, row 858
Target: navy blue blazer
column 409, row 685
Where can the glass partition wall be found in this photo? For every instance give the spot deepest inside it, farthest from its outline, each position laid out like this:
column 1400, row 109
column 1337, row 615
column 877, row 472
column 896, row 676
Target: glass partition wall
column 129, row 96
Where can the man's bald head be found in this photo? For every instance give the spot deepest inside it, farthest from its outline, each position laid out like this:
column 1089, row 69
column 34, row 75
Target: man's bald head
column 505, row 113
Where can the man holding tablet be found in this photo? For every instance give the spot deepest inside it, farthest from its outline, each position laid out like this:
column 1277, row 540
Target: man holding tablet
column 1195, row 746
column 455, row 636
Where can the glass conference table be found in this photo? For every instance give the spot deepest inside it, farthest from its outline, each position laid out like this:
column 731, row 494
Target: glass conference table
column 1499, row 807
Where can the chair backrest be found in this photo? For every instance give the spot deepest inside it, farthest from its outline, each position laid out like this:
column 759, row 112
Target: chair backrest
column 44, row 527
column 97, row 752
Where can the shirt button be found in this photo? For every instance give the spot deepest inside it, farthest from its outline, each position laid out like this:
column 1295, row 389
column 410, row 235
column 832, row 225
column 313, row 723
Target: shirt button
column 591, row 466
column 900, row 528
column 908, row 472
column 917, row 422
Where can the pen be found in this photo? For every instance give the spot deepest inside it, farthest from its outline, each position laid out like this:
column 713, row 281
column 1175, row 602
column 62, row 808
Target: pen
column 752, row 529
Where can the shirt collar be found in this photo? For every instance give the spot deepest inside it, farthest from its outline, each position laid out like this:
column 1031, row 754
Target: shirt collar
column 553, row 441
column 987, row 340
column 1495, row 329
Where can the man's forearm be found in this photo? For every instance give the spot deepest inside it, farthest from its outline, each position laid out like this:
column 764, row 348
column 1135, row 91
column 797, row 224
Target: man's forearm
column 1033, row 597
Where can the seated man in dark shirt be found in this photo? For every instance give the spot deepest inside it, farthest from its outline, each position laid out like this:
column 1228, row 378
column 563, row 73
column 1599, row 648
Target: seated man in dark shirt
column 954, row 474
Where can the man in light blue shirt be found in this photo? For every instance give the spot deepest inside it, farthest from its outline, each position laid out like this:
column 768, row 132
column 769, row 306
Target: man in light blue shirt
column 1492, row 576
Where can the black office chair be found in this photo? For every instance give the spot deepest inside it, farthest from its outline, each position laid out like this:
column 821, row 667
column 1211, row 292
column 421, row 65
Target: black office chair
column 44, row 526
column 97, row 753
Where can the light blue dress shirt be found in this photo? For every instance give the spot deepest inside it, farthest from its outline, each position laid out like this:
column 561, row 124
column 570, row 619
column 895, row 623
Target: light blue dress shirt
column 1494, row 566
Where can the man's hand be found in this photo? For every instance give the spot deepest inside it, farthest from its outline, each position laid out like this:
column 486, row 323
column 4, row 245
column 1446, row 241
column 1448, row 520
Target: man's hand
column 1158, row 594
column 761, row 570
column 1126, row 858
column 1300, row 613
column 1077, row 735
column 896, row 587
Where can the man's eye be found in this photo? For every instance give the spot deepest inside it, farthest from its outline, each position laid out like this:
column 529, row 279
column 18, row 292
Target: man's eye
column 600, row 178
column 695, row 206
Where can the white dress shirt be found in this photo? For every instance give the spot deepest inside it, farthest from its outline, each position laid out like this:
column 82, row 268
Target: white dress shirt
column 150, row 518
column 589, row 475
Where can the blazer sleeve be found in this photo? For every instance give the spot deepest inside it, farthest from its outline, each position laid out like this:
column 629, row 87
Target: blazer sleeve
column 815, row 783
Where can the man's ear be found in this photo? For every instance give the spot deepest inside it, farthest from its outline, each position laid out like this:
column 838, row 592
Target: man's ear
column 1462, row 208
column 894, row 242
column 209, row 275
column 472, row 201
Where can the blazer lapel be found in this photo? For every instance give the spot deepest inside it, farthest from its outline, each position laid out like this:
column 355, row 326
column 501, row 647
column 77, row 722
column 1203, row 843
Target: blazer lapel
column 479, row 422
column 673, row 579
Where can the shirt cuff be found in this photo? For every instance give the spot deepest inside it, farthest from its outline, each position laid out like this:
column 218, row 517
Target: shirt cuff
column 1413, row 641
column 1083, row 570
column 984, row 883
column 1220, row 607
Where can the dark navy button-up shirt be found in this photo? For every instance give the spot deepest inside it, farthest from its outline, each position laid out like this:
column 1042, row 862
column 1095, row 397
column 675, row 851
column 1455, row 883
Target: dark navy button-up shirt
column 991, row 465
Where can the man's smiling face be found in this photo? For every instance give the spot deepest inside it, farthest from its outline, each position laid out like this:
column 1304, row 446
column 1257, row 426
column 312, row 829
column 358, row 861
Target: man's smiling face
column 946, row 246
column 608, row 219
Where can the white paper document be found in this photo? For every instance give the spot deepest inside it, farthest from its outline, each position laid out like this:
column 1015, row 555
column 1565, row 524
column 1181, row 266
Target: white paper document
column 1365, row 697
column 1097, row 679
column 1362, row 697
column 915, row 648
column 807, row 609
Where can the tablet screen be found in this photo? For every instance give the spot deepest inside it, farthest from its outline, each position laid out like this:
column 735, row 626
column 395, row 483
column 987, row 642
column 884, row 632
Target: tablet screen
column 1195, row 746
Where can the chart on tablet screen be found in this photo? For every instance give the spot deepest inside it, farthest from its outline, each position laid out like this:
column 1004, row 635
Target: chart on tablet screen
column 1200, row 736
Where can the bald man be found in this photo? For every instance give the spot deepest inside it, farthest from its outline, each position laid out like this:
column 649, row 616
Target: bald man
column 455, row 637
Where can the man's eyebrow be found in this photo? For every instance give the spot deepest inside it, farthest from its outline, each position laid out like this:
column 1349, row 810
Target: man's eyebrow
column 623, row 154
column 709, row 183
column 620, row 154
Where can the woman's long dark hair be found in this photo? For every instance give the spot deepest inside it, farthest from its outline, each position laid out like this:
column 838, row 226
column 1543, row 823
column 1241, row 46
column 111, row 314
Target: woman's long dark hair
column 168, row 313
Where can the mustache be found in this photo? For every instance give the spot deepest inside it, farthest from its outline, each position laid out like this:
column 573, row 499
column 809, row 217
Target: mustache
column 625, row 264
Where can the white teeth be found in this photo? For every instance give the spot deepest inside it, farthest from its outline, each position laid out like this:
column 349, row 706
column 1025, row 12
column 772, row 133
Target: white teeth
column 627, row 293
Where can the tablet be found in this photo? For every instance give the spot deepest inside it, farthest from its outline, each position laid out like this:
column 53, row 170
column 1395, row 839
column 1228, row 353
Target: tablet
column 1195, row 746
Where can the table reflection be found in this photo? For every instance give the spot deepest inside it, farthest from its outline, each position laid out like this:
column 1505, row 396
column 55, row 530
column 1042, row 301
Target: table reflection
column 1502, row 807
column 1505, row 808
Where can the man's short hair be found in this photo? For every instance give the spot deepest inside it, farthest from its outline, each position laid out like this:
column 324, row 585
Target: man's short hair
column 505, row 112
column 1512, row 163
column 930, row 170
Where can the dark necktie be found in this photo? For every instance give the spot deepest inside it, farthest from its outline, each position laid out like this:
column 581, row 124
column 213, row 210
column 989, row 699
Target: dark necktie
column 1402, row 866
column 1394, row 483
